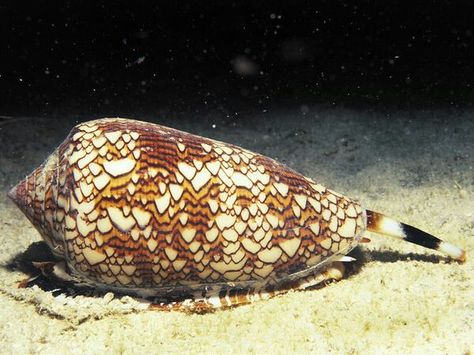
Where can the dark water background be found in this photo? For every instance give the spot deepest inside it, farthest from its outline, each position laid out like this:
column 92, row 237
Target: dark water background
column 130, row 58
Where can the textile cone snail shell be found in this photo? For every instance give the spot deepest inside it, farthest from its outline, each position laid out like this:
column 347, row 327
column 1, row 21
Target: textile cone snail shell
column 141, row 208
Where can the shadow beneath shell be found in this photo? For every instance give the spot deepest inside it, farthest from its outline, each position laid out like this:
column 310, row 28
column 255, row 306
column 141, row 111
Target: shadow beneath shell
column 363, row 257
column 38, row 253
column 390, row 256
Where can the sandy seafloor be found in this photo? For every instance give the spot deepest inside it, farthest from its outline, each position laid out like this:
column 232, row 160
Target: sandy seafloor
column 416, row 166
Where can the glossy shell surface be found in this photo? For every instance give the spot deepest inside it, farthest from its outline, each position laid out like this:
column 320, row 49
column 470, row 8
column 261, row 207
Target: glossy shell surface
column 130, row 204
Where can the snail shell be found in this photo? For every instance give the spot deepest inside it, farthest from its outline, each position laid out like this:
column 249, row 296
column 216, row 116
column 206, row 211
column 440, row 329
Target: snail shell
column 138, row 207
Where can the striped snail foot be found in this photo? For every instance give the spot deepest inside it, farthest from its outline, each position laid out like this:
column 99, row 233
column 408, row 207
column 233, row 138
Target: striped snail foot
column 230, row 297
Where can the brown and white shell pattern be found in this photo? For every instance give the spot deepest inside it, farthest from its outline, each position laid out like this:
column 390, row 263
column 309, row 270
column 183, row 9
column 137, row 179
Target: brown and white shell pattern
column 135, row 205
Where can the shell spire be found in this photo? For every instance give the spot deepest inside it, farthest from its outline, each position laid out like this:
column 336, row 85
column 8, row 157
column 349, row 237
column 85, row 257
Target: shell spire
column 36, row 196
column 18, row 194
column 26, row 195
